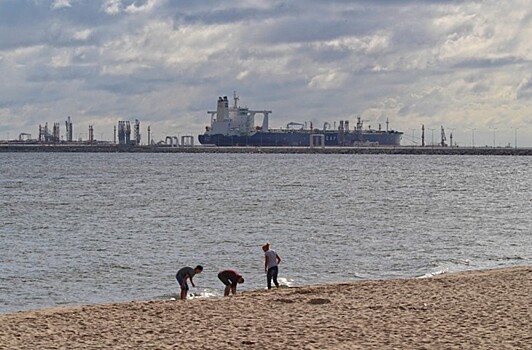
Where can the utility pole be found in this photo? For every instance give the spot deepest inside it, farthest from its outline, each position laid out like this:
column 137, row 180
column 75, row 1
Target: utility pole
column 451, row 137
column 493, row 136
column 413, row 140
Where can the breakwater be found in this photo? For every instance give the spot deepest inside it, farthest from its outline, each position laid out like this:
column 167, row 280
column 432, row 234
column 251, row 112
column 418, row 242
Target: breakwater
column 110, row 148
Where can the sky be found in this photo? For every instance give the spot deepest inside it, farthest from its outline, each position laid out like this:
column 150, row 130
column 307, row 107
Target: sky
column 463, row 65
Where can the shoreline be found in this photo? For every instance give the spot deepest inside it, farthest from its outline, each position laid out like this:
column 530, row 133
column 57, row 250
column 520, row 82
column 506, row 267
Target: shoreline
column 484, row 309
column 405, row 150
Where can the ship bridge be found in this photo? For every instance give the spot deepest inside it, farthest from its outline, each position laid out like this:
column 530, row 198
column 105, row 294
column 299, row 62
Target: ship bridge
column 235, row 120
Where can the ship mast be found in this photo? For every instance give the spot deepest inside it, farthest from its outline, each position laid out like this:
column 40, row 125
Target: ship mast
column 235, row 98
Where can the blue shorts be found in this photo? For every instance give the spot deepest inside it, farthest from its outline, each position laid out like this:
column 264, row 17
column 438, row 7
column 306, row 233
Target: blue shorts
column 180, row 282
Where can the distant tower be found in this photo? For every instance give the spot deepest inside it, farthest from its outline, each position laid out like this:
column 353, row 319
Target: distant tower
column 69, row 131
column 114, row 134
column 422, row 135
column 341, row 130
column 43, row 133
column 128, row 133
column 443, row 137
column 137, row 132
column 122, row 132
column 149, row 135
column 56, row 133
column 91, row 134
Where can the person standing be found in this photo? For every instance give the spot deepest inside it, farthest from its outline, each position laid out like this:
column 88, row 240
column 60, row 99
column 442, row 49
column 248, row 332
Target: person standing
column 230, row 278
column 185, row 274
column 271, row 260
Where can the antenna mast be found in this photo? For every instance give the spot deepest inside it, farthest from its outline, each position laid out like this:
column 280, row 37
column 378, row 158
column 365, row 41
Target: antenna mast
column 235, row 98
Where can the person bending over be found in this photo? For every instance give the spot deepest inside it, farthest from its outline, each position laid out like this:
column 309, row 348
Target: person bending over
column 185, row 274
column 230, row 278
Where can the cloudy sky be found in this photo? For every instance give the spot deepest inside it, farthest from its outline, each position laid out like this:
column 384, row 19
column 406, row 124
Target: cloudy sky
column 466, row 65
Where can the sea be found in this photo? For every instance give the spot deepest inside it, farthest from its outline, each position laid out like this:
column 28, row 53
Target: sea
column 88, row 228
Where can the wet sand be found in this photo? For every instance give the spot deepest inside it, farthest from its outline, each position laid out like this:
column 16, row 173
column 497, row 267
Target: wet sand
column 473, row 310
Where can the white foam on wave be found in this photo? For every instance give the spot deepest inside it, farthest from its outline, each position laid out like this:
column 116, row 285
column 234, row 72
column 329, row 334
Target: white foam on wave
column 435, row 273
column 452, row 265
column 195, row 294
column 285, row 281
column 204, row 293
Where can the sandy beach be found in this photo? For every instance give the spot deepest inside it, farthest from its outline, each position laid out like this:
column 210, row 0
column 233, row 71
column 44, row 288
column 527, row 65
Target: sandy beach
column 473, row 310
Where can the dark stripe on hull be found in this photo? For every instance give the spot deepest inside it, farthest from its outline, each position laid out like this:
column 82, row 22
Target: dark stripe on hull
column 272, row 139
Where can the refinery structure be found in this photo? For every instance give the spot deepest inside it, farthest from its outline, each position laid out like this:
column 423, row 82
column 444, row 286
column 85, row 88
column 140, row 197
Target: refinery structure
column 125, row 133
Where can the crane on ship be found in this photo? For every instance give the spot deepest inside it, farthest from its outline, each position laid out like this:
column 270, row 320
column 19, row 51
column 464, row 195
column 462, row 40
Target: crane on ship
column 289, row 125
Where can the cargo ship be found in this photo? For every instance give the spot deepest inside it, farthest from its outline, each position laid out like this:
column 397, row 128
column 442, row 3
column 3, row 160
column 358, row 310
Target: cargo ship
column 235, row 126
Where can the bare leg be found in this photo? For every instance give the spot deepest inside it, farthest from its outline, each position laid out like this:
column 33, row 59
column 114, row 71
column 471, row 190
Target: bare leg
column 227, row 289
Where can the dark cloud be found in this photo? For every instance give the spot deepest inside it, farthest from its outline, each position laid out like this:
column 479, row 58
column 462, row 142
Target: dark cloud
column 487, row 63
column 249, row 15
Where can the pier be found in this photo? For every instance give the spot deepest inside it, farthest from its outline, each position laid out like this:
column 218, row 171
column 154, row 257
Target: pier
column 414, row 150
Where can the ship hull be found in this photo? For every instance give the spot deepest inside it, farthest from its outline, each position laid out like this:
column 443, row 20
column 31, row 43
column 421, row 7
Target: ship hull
column 302, row 138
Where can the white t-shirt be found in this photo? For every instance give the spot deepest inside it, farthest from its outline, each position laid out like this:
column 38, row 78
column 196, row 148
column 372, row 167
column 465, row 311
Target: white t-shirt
column 272, row 258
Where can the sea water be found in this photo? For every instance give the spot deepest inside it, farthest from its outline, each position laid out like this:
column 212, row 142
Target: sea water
column 89, row 228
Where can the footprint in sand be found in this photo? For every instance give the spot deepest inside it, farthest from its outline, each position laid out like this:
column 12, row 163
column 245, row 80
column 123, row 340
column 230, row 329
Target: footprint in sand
column 286, row 301
column 319, row 301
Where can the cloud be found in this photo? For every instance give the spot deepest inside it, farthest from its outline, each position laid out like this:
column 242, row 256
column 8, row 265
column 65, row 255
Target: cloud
column 82, row 34
column 524, row 88
column 328, row 80
column 112, row 7
column 57, row 4
column 136, row 8
column 412, row 62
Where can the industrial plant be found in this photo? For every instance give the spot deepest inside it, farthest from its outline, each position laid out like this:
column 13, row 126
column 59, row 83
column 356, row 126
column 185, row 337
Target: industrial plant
column 125, row 133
